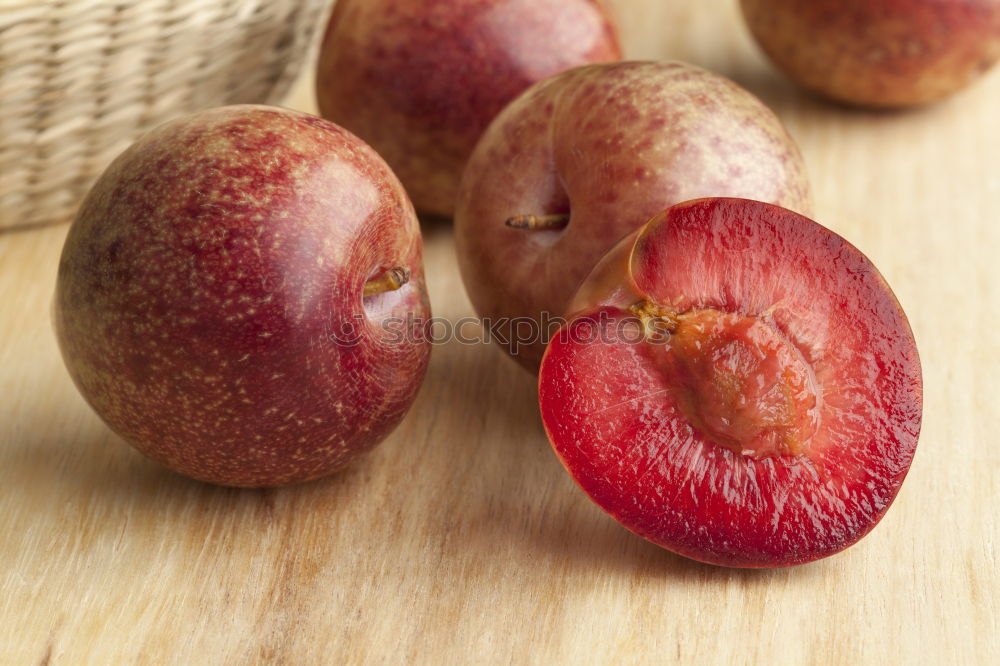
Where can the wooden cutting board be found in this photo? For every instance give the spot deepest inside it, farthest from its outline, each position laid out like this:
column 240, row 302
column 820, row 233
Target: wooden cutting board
column 461, row 540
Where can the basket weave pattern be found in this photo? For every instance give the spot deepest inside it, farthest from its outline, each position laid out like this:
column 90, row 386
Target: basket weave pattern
column 81, row 79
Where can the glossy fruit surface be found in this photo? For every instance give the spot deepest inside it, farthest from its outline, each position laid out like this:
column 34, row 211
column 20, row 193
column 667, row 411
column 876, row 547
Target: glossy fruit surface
column 211, row 306
column 739, row 385
column 420, row 80
column 607, row 146
column 890, row 53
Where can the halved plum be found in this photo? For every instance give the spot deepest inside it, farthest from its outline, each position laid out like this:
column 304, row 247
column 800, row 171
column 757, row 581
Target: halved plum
column 738, row 385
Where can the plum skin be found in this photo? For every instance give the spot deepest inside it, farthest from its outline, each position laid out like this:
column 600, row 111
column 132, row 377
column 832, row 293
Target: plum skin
column 886, row 54
column 617, row 423
column 420, row 80
column 204, row 280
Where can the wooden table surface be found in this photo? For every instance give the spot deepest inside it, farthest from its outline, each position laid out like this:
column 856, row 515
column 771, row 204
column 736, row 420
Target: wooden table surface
column 461, row 540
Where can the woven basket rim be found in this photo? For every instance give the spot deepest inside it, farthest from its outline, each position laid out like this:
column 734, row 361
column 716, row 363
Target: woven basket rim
column 22, row 5
column 82, row 79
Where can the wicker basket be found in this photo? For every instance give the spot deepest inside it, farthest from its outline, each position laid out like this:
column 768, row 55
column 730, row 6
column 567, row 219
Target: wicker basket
column 81, row 79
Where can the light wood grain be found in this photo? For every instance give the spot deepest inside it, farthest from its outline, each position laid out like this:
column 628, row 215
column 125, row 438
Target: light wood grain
column 461, row 540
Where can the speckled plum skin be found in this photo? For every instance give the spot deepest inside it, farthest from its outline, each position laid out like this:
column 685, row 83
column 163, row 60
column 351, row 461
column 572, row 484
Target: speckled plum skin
column 208, row 288
column 821, row 360
column 612, row 145
column 891, row 53
column 420, row 80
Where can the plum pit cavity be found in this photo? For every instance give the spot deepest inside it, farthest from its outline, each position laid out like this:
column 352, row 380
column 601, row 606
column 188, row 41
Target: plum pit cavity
column 738, row 380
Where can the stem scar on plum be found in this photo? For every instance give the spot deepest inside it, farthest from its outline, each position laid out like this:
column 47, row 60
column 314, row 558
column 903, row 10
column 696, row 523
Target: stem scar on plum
column 657, row 322
column 390, row 280
column 553, row 222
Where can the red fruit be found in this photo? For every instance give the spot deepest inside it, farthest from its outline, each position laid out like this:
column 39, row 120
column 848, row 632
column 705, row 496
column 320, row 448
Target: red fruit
column 739, row 386
column 889, row 53
column 593, row 153
column 223, row 292
column 420, row 80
